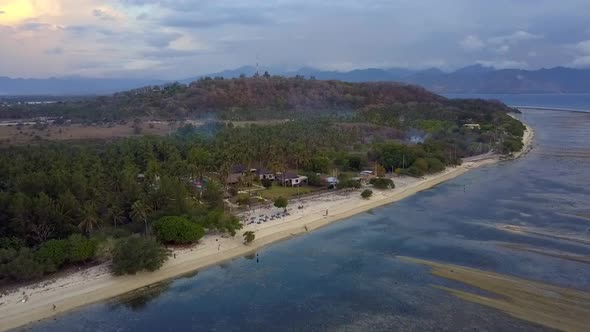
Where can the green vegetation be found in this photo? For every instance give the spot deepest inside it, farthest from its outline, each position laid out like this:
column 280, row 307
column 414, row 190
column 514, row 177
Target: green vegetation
column 243, row 199
column 349, row 184
column 135, row 253
column 177, row 230
column 65, row 204
column 266, row 183
column 382, row 183
column 367, row 193
column 249, row 236
column 281, row 202
column 22, row 263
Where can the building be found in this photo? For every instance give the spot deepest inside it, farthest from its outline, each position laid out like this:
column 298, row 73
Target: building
column 472, row 125
column 237, row 173
column 265, row 174
column 293, row 180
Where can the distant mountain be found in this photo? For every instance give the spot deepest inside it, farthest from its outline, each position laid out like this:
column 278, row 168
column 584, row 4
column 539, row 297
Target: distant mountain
column 69, row 86
column 472, row 79
column 489, row 80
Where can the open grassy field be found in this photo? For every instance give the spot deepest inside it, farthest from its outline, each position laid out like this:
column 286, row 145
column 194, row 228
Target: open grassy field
column 288, row 192
column 11, row 135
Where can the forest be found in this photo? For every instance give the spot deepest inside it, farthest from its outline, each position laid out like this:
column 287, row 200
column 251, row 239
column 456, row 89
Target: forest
column 77, row 203
column 253, row 98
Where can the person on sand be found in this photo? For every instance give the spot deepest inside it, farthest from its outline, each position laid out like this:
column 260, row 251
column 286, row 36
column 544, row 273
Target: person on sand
column 54, row 307
column 174, row 255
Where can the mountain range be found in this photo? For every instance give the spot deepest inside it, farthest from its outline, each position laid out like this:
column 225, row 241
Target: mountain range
column 472, row 79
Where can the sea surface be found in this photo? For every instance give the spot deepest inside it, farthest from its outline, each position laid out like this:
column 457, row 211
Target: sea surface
column 574, row 101
column 348, row 277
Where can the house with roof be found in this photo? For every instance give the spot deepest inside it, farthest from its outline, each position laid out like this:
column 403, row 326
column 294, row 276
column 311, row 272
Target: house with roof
column 265, row 174
column 472, row 125
column 237, row 173
column 293, row 179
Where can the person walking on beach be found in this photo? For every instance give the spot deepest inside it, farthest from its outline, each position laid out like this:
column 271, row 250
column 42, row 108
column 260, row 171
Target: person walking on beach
column 54, row 307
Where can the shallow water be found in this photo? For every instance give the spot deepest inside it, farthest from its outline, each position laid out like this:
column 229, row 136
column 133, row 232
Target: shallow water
column 347, row 276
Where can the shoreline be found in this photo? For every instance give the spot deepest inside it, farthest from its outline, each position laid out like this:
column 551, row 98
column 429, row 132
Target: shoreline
column 96, row 284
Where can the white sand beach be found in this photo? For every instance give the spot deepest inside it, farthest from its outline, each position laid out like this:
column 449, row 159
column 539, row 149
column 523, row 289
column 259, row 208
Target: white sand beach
column 36, row 302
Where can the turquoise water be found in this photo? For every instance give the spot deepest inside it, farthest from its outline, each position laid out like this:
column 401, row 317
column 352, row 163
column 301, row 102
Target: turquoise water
column 347, row 277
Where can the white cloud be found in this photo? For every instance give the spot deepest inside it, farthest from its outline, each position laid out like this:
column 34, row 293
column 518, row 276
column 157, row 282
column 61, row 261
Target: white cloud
column 583, row 61
column 472, row 43
column 514, row 38
column 103, row 14
column 503, row 49
column 583, row 47
column 50, row 35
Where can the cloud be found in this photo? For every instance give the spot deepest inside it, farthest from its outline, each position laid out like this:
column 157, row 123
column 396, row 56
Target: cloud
column 583, row 47
column 103, row 15
column 161, row 39
column 212, row 35
column 194, row 22
column 472, row 43
column 514, row 38
column 170, row 53
column 38, row 26
column 86, row 30
column 503, row 49
column 582, row 58
column 583, row 61
column 55, row 51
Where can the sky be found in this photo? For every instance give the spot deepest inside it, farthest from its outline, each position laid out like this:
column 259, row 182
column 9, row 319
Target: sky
column 175, row 39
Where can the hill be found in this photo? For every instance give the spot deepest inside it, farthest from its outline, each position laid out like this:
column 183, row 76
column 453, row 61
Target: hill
column 243, row 99
column 471, row 79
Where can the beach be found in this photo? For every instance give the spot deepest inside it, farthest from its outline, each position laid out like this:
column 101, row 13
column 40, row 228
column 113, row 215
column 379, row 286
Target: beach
column 97, row 284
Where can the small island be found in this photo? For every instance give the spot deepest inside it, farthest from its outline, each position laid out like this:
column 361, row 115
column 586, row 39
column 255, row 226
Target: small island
column 210, row 171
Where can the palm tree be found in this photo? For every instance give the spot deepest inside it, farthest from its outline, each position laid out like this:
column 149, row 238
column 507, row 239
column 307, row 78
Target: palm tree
column 90, row 220
column 117, row 215
column 140, row 212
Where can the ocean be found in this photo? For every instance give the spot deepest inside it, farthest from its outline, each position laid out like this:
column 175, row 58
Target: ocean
column 348, row 276
column 574, row 101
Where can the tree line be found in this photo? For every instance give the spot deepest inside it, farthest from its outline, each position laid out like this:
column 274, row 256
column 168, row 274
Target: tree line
column 67, row 204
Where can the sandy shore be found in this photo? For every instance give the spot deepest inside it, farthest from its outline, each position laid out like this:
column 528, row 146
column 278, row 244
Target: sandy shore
column 527, row 140
column 34, row 303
